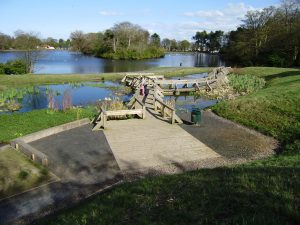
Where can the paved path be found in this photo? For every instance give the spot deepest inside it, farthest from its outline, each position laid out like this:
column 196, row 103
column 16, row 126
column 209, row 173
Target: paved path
column 231, row 140
column 88, row 161
column 79, row 155
column 138, row 144
column 83, row 161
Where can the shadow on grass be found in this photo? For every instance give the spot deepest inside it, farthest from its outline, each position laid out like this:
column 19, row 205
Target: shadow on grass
column 244, row 195
column 282, row 75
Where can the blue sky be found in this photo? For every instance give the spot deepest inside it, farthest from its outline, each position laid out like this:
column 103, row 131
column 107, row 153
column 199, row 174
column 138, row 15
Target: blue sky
column 169, row 18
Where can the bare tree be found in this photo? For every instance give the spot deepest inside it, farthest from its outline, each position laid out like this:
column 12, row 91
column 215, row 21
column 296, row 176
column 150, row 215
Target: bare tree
column 28, row 42
column 126, row 33
column 78, row 40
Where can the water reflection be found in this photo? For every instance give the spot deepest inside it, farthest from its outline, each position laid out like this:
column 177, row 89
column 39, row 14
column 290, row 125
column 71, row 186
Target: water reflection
column 60, row 61
column 187, row 102
column 81, row 94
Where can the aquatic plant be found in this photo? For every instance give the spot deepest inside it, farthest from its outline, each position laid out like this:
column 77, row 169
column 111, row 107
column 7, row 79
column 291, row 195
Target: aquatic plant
column 111, row 104
column 51, row 101
column 246, row 83
column 12, row 105
column 67, row 101
column 75, row 85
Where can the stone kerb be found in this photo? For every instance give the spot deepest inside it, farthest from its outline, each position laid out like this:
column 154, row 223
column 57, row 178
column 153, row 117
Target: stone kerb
column 22, row 143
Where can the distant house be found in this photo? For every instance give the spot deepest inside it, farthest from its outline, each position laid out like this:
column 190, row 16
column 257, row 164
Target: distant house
column 49, row 47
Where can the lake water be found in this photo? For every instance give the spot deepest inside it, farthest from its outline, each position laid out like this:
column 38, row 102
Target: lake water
column 83, row 94
column 61, row 61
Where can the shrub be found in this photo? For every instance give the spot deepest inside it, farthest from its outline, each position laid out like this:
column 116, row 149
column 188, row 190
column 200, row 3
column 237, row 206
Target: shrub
column 135, row 53
column 14, row 67
column 23, row 174
column 2, row 71
column 246, row 83
column 276, row 60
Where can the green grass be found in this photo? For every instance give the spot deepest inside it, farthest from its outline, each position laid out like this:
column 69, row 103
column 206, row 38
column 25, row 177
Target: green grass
column 273, row 110
column 18, row 173
column 14, row 81
column 19, row 124
column 262, row 192
column 249, row 194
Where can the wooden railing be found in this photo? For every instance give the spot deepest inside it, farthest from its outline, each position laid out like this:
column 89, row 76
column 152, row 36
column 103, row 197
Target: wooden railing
column 162, row 107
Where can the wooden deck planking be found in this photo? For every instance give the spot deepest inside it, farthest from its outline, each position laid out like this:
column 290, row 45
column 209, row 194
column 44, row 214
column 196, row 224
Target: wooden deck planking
column 139, row 144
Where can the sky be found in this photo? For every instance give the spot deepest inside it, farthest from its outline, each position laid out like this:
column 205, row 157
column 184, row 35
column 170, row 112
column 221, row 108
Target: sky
column 178, row 19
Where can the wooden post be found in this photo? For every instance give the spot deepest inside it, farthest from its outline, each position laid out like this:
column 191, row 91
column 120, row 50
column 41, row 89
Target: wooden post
column 104, row 121
column 173, row 117
column 45, row 162
column 163, row 111
column 144, row 112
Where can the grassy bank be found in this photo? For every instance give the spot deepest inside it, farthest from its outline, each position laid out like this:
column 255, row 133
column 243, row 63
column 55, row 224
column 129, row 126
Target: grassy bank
column 8, row 81
column 19, row 124
column 18, row 173
column 260, row 193
column 273, row 110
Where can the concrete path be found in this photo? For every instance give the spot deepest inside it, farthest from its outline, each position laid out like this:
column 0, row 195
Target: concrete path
column 89, row 161
column 231, row 140
column 139, row 144
column 83, row 161
column 79, row 155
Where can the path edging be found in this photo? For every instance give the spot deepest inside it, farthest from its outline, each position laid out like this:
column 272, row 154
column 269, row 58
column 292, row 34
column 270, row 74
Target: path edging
column 22, row 145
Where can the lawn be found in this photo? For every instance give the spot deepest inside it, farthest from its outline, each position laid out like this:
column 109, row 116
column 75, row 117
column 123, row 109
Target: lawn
column 18, row 173
column 259, row 193
column 13, row 81
column 19, row 124
column 273, row 110
column 262, row 192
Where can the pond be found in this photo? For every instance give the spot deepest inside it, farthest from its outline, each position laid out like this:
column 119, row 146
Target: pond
column 62, row 61
column 82, row 94
column 186, row 102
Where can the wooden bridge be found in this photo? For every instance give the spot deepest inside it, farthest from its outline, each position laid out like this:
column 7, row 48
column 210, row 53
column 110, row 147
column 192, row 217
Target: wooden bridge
column 153, row 101
column 152, row 141
column 171, row 86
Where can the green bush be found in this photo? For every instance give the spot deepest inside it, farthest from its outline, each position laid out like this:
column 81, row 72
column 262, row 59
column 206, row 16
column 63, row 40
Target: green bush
column 23, row 174
column 15, row 67
column 246, row 83
column 135, row 53
column 276, row 60
column 2, row 71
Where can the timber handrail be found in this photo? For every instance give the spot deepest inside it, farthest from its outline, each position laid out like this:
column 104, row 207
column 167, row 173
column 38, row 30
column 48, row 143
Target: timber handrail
column 164, row 108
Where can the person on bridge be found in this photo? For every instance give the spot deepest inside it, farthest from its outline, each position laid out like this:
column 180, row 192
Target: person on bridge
column 142, row 88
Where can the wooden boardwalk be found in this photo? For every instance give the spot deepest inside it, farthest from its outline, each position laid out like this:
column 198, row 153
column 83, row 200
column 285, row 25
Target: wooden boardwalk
column 150, row 142
column 156, row 139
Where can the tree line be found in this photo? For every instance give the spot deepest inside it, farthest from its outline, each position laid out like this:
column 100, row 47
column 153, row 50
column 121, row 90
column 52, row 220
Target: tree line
column 30, row 40
column 123, row 41
column 269, row 37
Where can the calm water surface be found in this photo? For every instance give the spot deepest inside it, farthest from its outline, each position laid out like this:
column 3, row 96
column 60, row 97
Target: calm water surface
column 61, row 61
column 83, row 94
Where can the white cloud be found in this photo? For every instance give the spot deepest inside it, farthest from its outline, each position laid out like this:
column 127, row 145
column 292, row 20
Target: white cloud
column 231, row 11
column 226, row 19
column 110, row 13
